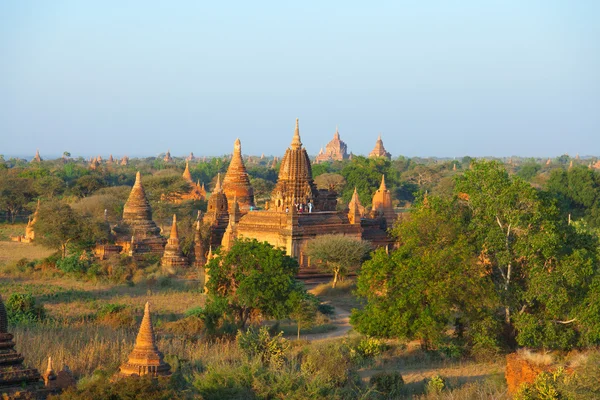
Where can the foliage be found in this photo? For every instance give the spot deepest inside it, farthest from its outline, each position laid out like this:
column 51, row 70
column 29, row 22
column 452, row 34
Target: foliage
column 15, row 194
column 304, row 307
column 259, row 343
column 252, row 278
column 368, row 348
column 337, row 254
column 128, row 388
column 388, row 384
column 330, row 362
column 436, row 384
column 430, row 280
column 22, row 308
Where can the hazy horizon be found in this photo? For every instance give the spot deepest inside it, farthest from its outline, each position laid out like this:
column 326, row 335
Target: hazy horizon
column 498, row 79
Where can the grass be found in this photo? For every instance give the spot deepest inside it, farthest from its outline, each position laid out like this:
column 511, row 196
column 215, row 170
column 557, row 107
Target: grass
column 75, row 334
column 11, row 252
column 341, row 296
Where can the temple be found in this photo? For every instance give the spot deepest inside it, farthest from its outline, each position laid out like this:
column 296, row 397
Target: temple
column 15, row 378
column 297, row 212
column 237, row 182
column 382, row 203
column 379, row 150
column 172, row 256
column 197, row 191
column 145, row 359
column 137, row 233
column 167, row 157
column 335, row 150
column 37, row 157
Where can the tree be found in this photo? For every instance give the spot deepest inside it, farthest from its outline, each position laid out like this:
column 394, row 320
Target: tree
column 328, row 181
column 544, row 272
column 49, row 186
column 252, row 278
column 337, row 254
column 15, row 194
column 431, row 281
column 304, row 307
column 57, row 226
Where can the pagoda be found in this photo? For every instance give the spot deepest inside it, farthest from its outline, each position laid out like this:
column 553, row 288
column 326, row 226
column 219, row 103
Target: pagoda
column 354, row 207
column 335, row 150
column 236, row 182
column 295, row 184
column 137, row 226
column 379, row 150
column 37, row 157
column 145, row 359
column 15, row 378
column 382, row 204
column 173, row 257
column 190, row 157
column 167, row 158
column 124, row 160
column 217, row 215
column 197, row 191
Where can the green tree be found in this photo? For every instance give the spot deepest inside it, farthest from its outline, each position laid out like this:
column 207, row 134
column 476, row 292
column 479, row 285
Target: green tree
column 544, row 271
column 304, row 307
column 337, row 254
column 57, row 226
column 15, row 194
column 252, row 278
column 431, row 281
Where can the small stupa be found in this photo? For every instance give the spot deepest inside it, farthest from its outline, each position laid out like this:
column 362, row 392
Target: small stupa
column 124, row 160
column 167, row 157
column 14, row 376
column 379, row 150
column 173, row 257
column 382, row 203
column 237, row 181
column 145, row 359
column 355, row 203
column 190, row 157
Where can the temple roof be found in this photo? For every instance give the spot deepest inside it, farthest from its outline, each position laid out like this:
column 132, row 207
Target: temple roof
column 294, row 183
column 237, row 182
column 186, row 174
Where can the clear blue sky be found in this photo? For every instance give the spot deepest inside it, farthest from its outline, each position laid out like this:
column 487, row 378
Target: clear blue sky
column 436, row 78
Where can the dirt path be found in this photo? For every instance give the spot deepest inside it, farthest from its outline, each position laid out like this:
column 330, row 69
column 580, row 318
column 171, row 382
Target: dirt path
column 341, row 320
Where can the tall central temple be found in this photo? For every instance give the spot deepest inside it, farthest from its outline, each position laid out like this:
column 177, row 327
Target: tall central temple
column 297, row 211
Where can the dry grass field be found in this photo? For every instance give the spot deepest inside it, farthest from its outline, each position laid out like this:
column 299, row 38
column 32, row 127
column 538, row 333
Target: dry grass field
column 77, row 333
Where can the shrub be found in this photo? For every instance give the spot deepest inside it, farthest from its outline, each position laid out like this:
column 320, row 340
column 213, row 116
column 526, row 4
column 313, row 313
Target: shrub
column 389, row 384
column 436, row 384
column 115, row 315
column 270, row 350
column 330, row 362
column 21, row 308
column 73, row 264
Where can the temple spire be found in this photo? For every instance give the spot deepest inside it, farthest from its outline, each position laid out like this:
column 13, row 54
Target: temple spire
column 382, row 186
column 174, row 234
column 186, row 174
column 296, row 143
column 218, row 185
column 138, row 179
column 337, row 133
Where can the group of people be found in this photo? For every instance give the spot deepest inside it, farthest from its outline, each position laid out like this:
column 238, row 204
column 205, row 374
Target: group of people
column 302, row 208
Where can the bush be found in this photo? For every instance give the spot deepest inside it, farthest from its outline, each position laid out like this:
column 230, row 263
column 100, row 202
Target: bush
column 115, row 315
column 73, row 264
column 21, row 308
column 270, row 350
column 331, row 363
column 436, row 384
column 128, row 388
column 389, row 384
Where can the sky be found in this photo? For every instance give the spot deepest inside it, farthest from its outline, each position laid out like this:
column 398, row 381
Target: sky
column 435, row 78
